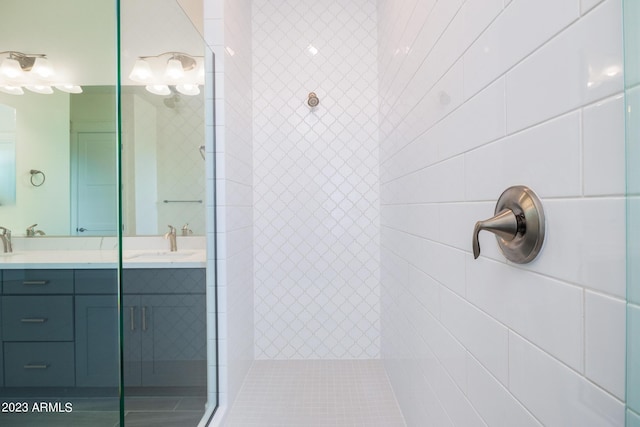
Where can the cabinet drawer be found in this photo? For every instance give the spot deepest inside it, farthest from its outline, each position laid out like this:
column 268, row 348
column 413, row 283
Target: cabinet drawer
column 37, row 282
column 164, row 281
column 37, row 318
column 96, row 281
column 43, row 364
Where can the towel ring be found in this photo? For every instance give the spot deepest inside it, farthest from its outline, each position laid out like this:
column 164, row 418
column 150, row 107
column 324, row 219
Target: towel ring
column 34, row 173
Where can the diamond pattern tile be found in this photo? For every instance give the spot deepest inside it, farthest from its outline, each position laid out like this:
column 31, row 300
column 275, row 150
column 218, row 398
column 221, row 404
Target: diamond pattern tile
column 316, row 195
column 180, row 169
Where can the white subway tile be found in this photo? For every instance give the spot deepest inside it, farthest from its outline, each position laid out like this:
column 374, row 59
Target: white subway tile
column 545, row 311
column 448, row 351
column 444, row 97
column 587, row 65
column 481, row 335
column 556, row 394
column 425, row 290
column 493, row 401
column 455, row 402
column 604, row 148
column 409, row 86
column 585, row 243
column 443, row 263
column 498, row 49
column 587, row 5
column 605, row 326
column 524, row 159
column 480, row 120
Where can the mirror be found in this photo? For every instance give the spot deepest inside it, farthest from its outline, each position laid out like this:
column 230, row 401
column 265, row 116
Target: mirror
column 163, row 165
column 7, row 155
column 71, row 137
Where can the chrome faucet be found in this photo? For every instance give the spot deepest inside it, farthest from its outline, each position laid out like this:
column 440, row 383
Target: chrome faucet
column 31, row 231
column 186, row 230
column 6, row 240
column 171, row 235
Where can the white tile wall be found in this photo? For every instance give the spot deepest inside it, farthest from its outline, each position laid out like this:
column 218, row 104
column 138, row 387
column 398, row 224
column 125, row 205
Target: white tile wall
column 316, row 198
column 227, row 25
column 467, row 91
column 471, row 102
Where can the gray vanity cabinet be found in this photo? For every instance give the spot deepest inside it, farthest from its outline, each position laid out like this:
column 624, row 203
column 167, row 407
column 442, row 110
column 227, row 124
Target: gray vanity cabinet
column 164, row 327
column 96, row 328
column 37, row 328
column 165, row 343
column 1, row 343
column 97, row 341
column 60, row 328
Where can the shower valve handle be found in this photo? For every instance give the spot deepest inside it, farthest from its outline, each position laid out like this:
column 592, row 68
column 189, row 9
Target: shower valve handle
column 505, row 225
column 518, row 224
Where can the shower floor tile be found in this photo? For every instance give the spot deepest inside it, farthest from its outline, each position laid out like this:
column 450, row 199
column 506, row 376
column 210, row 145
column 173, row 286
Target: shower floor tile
column 316, row 393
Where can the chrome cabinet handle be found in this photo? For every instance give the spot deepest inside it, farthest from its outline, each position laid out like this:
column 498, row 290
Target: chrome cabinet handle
column 519, row 225
column 144, row 318
column 132, row 312
column 35, row 282
column 33, row 319
column 34, row 366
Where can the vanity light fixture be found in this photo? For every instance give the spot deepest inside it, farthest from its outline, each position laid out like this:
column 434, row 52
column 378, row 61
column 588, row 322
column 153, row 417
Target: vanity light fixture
column 33, row 72
column 69, row 88
column 11, row 68
column 43, row 89
column 174, row 69
column 180, row 70
column 158, row 89
column 188, row 89
column 12, row 90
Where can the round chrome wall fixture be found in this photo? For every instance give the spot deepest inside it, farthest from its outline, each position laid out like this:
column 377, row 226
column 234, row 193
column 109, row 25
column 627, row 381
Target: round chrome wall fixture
column 313, row 100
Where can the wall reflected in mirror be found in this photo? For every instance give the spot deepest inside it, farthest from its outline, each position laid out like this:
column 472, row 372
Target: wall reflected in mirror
column 7, row 155
column 162, row 166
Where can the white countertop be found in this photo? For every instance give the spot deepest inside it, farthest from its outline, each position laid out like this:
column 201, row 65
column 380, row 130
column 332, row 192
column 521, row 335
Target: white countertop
column 84, row 253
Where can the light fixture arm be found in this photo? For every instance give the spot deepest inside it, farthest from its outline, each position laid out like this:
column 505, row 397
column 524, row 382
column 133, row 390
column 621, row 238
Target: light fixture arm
column 188, row 61
column 26, row 60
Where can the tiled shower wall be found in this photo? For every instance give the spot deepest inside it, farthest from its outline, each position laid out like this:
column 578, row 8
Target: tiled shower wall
column 316, row 187
column 477, row 96
column 227, row 31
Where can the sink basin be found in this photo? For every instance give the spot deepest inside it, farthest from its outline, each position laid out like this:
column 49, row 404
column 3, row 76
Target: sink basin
column 159, row 255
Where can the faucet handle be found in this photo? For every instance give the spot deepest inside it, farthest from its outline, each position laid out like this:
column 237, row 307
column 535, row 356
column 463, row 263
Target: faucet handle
column 504, row 224
column 186, row 230
column 519, row 225
column 172, row 231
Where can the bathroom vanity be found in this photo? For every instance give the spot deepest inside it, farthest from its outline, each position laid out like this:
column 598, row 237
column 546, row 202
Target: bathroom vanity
column 60, row 325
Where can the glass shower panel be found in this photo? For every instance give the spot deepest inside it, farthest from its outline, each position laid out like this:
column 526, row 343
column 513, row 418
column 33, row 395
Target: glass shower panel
column 632, row 122
column 59, row 334
column 163, row 215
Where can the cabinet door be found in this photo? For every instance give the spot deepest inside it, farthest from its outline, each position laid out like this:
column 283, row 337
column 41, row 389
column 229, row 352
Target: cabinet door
column 1, row 346
column 131, row 332
column 174, row 342
column 97, row 341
